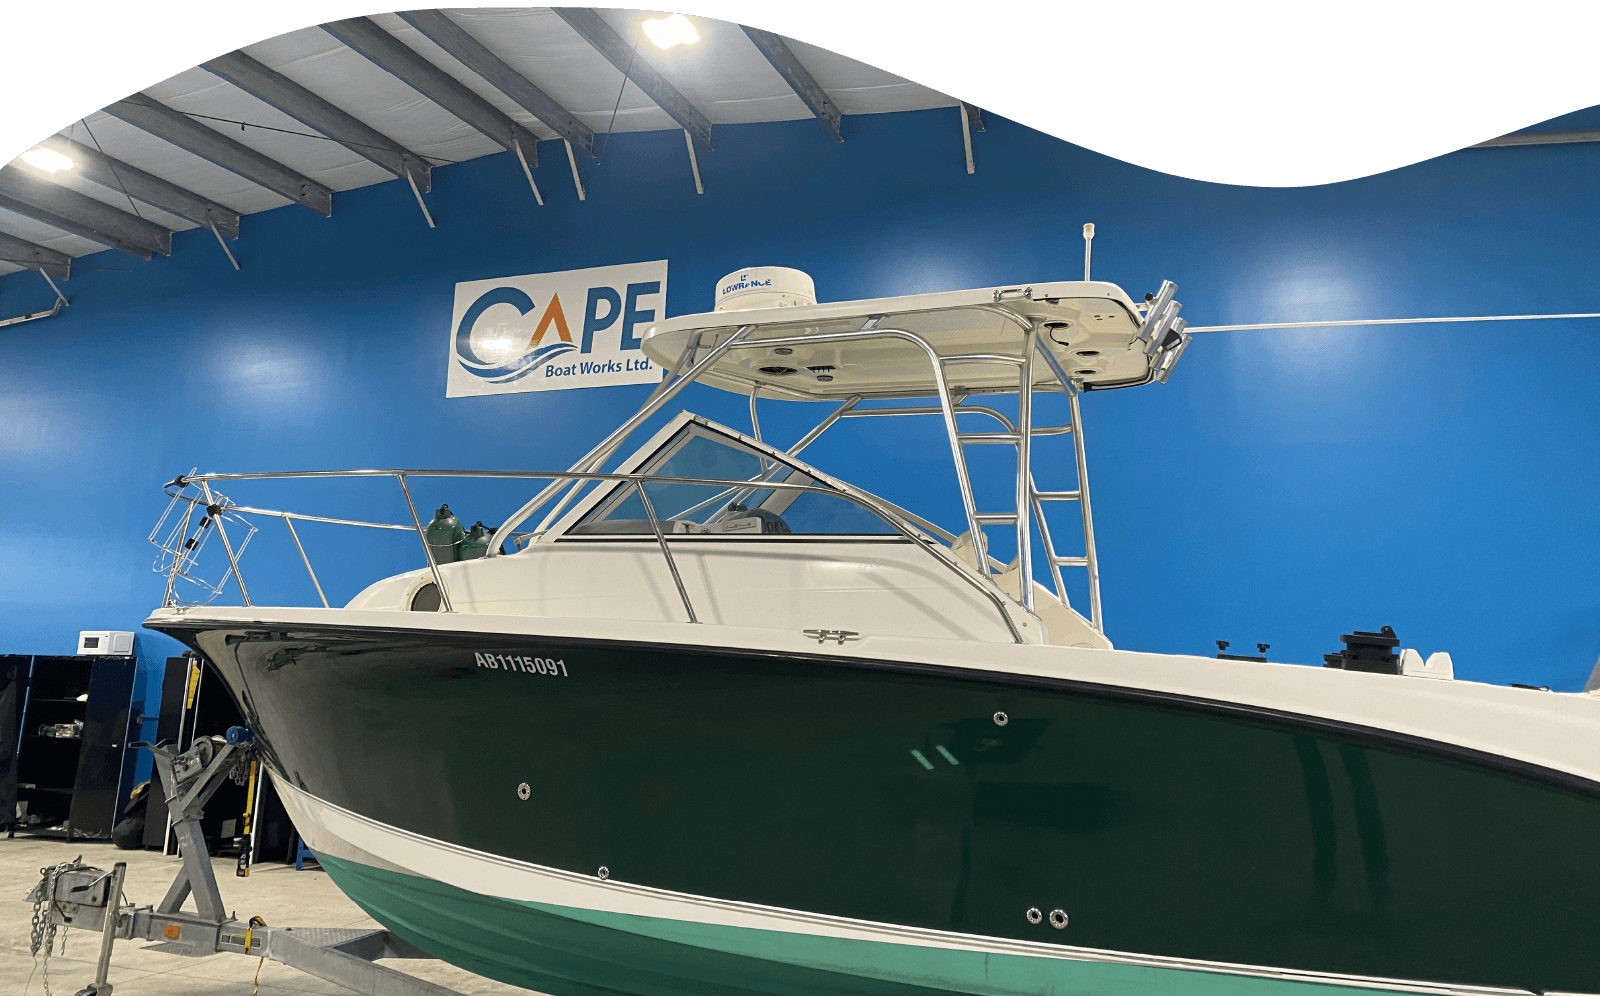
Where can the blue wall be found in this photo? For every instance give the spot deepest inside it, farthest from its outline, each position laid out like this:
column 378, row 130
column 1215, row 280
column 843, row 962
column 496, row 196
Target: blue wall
column 1286, row 487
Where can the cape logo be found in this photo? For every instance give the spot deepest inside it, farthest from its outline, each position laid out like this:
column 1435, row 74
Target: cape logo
column 554, row 331
column 534, row 355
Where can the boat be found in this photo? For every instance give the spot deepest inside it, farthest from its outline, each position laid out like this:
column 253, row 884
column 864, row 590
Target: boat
column 714, row 721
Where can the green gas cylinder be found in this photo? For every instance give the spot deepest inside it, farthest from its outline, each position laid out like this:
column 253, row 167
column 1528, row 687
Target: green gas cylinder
column 444, row 536
column 476, row 543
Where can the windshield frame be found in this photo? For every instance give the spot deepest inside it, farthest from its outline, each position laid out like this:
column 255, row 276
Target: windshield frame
column 601, row 499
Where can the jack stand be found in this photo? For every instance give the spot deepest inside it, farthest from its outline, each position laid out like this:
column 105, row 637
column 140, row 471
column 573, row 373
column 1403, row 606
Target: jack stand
column 78, row 895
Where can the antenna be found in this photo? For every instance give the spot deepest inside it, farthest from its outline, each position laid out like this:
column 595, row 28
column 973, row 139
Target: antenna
column 1088, row 246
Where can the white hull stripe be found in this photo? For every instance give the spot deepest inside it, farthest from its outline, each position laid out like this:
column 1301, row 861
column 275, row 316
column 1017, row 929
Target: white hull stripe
column 1557, row 731
column 340, row 833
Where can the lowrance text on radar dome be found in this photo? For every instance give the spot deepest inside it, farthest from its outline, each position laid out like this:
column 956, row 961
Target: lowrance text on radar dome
column 745, row 283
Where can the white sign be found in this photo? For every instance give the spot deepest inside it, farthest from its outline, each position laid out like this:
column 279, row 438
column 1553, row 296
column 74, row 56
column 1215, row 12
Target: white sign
column 554, row 331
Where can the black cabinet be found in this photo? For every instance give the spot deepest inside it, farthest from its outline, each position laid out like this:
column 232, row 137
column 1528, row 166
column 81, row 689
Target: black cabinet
column 73, row 764
column 13, row 691
column 100, row 789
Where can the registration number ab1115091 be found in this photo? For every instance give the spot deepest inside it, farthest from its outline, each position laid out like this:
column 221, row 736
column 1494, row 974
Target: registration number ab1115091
column 527, row 665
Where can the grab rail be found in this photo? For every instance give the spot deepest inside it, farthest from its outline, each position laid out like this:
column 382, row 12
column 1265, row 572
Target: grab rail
column 215, row 503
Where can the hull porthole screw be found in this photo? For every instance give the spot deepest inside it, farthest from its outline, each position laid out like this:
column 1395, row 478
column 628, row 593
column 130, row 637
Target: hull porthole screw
column 524, row 791
column 1001, row 719
column 1033, row 914
column 1058, row 919
column 604, row 873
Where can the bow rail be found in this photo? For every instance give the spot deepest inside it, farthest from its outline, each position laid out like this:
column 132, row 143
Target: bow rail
column 181, row 545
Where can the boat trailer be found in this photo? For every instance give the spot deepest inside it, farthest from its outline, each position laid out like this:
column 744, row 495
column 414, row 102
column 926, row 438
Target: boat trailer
column 74, row 894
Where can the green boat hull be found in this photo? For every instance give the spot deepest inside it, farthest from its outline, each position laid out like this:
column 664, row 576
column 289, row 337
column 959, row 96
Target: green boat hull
column 888, row 793
column 575, row 952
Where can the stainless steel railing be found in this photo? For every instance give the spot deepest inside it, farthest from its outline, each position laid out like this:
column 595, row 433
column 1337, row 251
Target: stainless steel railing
column 182, row 545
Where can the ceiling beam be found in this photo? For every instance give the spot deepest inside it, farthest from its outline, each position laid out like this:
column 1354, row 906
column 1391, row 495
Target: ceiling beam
column 279, row 91
column 599, row 33
column 149, row 114
column 54, row 205
column 1540, row 138
column 472, row 53
column 25, row 253
column 95, row 165
column 800, row 80
column 399, row 60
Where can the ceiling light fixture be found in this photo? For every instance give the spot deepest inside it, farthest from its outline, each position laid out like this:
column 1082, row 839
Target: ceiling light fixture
column 47, row 159
column 669, row 31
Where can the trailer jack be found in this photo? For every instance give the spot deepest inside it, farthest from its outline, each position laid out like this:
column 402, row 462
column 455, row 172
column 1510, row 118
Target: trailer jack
column 77, row 895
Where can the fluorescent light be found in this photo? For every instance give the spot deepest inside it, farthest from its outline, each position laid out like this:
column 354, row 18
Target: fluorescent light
column 669, row 31
column 51, row 161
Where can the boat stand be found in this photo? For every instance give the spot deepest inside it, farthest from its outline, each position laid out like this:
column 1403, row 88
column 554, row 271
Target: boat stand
column 78, row 895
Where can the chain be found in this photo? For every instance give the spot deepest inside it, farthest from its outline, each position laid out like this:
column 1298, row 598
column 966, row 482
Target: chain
column 43, row 935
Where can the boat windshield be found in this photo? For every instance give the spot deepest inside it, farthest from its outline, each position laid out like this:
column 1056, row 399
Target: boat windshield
column 699, row 451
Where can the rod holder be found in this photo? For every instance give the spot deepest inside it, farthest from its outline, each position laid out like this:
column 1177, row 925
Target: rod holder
column 1157, row 306
column 1170, row 322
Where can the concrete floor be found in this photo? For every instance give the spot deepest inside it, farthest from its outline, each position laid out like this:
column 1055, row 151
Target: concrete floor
column 277, row 893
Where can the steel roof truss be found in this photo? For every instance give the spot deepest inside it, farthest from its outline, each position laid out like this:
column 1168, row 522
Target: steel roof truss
column 141, row 186
column 277, row 90
column 800, row 80
column 25, row 253
column 149, row 114
column 1539, row 138
column 396, row 58
column 597, row 32
column 73, row 227
column 70, row 211
column 473, row 54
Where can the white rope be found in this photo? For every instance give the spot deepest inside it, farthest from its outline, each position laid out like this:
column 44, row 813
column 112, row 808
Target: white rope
column 1382, row 321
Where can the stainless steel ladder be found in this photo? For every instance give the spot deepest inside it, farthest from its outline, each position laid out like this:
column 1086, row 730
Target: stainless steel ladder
column 1020, row 435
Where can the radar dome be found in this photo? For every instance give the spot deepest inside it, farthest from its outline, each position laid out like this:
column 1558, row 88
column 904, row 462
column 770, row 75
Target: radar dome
column 764, row 287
